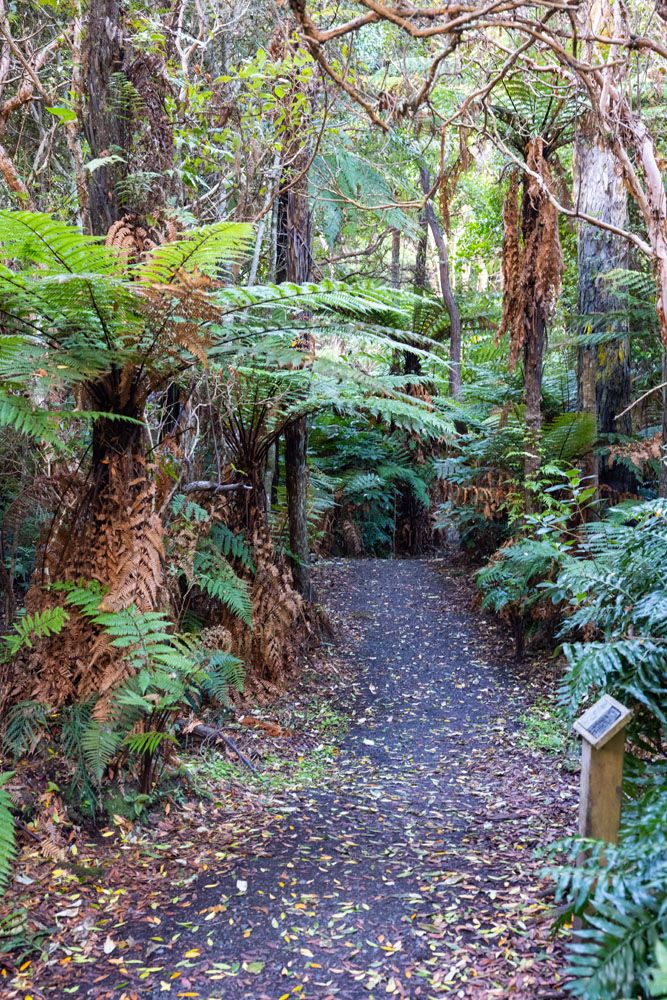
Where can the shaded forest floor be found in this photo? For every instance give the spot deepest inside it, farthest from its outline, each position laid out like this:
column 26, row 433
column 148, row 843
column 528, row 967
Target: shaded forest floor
column 399, row 861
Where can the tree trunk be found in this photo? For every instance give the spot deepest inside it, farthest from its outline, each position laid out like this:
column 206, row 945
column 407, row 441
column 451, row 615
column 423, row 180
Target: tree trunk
column 662, row 482
column 110, row 533
column 396, row 258
column 603, row 371
column 533, row 363
column 296, row 481
column 105, row 128
column 294, row 261
column 446, row 291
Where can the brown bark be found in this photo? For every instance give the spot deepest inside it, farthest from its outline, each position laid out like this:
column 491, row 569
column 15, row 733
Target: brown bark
column 105, row 127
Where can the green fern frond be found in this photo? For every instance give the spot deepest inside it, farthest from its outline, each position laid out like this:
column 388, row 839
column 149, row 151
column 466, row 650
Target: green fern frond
column 233, row 545
column 206, row 249
column 100, row 744
column 25, row 726
column 57, row 247
column 217, row 578
column 148, row 742
column 7, row 833
column 221, row 671
column 31, row 628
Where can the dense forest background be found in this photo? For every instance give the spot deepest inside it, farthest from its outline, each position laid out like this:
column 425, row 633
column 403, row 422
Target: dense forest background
column 282, row 282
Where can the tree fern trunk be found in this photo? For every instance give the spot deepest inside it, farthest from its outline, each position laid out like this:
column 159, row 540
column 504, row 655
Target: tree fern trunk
column 533, row 363
column 105, row 127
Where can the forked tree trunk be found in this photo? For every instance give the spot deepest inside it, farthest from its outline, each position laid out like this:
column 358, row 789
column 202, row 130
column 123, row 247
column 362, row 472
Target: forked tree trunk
column 603, row 371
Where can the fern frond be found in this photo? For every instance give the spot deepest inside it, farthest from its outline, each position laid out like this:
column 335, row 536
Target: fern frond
column 7, row 833
column 34, row 627
column 100, row 744
column 25, row 726
column 206, row 249
column 217, row 578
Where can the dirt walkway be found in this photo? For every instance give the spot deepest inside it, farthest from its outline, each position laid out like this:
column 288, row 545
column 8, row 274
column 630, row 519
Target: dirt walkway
column 411, row 873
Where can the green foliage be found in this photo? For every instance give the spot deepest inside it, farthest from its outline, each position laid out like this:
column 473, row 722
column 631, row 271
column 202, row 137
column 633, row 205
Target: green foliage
column 615, row 587
column 543, row 728
column 32, row 627
column 233, row 545
column 569, row 436
column 24, row 727
column 7, row 836
column 515, row 581
column 620, row 892
column 366, row 470
column 169, row 674
column 216, row 577
column 658, row 979
column 342, row 176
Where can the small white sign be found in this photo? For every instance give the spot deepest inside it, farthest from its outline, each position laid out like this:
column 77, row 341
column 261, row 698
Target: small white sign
column 602, row 721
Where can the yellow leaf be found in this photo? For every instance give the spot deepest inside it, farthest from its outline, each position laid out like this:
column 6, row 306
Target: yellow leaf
column 193, row 953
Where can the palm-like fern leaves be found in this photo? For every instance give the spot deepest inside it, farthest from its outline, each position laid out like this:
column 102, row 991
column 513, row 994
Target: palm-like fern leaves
column 7, row 837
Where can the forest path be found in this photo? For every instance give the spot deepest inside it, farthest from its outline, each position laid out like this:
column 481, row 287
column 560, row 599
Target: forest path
column 406, row 875
column 411, row 872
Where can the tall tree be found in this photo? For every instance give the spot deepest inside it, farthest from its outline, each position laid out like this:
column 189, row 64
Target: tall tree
column 603, row 369
column 294, row 263
column 126, row 122
column 105, row 127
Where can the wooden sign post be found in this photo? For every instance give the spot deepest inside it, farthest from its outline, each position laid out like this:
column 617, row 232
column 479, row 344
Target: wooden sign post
column 602, row 729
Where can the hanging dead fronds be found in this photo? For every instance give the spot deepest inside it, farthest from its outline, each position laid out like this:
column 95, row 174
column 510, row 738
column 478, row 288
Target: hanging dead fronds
column 532, row 265
column 452, row 176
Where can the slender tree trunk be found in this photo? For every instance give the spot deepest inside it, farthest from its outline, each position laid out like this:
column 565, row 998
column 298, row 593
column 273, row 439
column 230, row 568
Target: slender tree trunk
column 662, row 484
column 294, row 263
column 396, row 258
column 533, row 364
column 446, row 291
column 603, row 370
